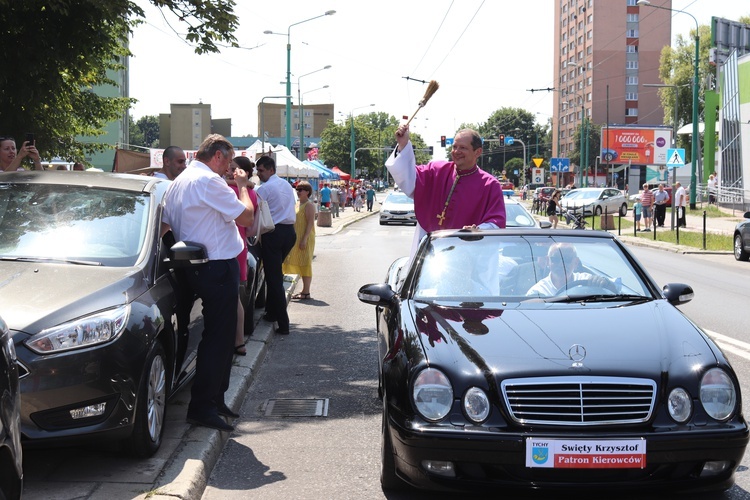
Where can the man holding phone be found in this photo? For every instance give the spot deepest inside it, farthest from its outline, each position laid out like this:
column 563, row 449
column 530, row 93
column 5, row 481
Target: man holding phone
column 11, row 159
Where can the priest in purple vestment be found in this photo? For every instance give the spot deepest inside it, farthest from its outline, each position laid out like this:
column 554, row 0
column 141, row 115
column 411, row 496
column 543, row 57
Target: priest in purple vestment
column 448, row 194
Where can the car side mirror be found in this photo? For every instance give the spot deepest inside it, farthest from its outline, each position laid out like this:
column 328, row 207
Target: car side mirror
column 545, row 224
column 678, row 293
column 186, row 254
column 377, row 294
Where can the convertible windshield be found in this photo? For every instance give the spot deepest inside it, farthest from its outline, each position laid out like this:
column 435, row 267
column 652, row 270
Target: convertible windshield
column 523, row 268
column 60, row 223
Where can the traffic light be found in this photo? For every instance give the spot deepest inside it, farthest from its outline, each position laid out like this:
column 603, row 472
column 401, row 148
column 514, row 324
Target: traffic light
column 501, row 138
column 430, row 150
column 442, row 141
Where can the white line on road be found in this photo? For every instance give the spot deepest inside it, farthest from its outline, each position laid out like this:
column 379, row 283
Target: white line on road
column 730, row 344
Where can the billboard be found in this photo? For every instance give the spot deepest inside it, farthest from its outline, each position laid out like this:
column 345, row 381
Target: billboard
column 635, row 145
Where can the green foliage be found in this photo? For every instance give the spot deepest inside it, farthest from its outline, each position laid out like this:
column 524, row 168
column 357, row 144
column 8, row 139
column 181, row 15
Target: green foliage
column 144, row 132
column 594, row 140
column 59, row 51
column 677, row 67
column 373, row 130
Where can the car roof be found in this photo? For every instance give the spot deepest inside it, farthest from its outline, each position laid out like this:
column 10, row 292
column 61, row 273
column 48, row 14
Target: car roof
column 108, row 180
column 530, row 231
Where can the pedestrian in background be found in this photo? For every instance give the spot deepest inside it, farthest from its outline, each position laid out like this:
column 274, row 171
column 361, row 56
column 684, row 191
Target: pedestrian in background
column 325, row 196
column 334, row 201
column 712, row 184
column 299, row 260
column 201, row 208
column 661, row 197
column 647, row 200
column 552, row 208
column 637, row 210
column 370, row 193
column 277, row 244
column 11, row 159
column 680, row 197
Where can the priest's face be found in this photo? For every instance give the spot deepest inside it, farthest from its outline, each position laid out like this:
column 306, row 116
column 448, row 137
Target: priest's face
column 463, row 154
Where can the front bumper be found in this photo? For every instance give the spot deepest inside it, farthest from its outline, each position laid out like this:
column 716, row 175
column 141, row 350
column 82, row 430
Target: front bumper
column 674, row 460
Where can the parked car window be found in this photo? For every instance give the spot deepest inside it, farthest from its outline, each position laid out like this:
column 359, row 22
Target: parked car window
column 73, row 223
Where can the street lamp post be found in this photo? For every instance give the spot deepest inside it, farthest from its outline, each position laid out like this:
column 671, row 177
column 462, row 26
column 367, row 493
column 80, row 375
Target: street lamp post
column 523, row 170
column 289, row 72
column 352, row 167
column 263, row 115
column 695, row 138
column 301, row 120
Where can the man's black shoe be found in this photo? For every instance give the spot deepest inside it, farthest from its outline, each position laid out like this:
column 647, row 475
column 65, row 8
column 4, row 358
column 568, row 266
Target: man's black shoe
column 212, row 422
column 225, row 411
column 282, row 331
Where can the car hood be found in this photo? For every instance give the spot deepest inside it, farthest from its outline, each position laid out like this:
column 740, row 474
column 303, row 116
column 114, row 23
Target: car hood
column 35, row 296
column 643, row 339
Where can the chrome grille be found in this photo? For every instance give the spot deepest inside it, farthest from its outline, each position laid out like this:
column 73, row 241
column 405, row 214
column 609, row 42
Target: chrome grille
column 579, row 400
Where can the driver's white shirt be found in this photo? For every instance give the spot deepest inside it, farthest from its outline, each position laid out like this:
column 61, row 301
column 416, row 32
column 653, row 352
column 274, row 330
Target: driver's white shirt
column 546, row 288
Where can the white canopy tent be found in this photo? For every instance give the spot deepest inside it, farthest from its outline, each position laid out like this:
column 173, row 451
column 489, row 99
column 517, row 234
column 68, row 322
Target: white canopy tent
column 287, row 165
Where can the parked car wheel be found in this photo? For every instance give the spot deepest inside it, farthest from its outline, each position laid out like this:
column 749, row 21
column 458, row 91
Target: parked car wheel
column 739, row 252
column 388, row 479
column 151, row 408
column 598, row 211
column 624, row 209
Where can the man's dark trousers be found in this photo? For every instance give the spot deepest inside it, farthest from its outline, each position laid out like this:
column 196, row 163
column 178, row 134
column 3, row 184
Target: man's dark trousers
column 275, row 246
column 217, row 284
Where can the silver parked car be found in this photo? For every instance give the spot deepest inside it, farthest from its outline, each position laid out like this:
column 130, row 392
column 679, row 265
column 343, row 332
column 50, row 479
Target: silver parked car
column 516, row 215
column 397, row 207
column 596, row 201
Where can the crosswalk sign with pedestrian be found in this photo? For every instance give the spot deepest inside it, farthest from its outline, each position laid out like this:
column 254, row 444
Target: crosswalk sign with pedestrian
column 676, row 157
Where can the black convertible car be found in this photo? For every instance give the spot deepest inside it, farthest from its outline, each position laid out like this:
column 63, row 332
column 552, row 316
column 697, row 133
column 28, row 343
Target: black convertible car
column 538, row 359
column 103, row 326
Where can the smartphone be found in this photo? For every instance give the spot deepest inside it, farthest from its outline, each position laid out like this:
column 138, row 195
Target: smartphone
column 29, row 139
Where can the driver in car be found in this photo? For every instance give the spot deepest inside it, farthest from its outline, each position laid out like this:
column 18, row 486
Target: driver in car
column 564, row 271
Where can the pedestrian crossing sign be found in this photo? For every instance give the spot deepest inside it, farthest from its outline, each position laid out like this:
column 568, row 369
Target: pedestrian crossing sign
column 676, row 157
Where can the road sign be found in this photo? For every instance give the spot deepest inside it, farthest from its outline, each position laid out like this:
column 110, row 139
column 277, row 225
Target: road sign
column 537, row 162
column 559, row 165
column 509, row 140
column 537, row 175
column 675, row 157
column 449, row 141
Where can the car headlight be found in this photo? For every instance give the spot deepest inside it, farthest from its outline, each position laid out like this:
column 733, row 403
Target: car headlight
column 718, row 394
column 680, row 405
column 84, row 332
column 476, row 405
column 432, row 394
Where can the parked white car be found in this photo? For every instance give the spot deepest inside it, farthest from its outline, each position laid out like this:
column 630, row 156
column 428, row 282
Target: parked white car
column 595, row 201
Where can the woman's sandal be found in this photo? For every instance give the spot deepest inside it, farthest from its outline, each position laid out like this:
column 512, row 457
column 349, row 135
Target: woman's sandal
column 240, row 350
column 301, row 296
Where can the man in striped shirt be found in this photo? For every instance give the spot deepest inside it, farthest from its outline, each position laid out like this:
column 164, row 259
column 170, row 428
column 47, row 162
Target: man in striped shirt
column 647, row 200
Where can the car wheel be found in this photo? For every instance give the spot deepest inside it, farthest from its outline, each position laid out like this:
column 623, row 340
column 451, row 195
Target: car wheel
column 151, row 407
column 739, row 252
column 624, row 209
column 389, row 481
column 598, row 211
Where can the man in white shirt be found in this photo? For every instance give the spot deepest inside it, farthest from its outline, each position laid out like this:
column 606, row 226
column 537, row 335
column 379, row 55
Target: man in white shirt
column 173, row 163
column 277, row 244
column 680, row 196
column 200, row 207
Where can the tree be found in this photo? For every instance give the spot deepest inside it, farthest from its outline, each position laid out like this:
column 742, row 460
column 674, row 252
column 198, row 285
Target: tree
column 148, row 126
column 373, row 130
column 512, row 122
column 62, row 50
column 677, row 68
column 594, row 138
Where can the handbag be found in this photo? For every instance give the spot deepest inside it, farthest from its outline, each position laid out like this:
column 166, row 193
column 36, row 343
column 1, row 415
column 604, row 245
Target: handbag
column 263, row 222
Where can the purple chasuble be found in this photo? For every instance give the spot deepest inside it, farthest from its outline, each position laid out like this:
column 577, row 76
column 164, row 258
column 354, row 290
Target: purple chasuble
column 477, row 198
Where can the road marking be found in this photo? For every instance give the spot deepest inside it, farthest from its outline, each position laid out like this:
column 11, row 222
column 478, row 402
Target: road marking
column 730, row 344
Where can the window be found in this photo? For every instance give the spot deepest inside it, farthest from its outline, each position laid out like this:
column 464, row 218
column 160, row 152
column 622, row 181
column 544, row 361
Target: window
column 631, row 80
column 631, row 64
column 631, row 96
column 589, row 50
column 632, row 3
column 588, row 81
column 631, row 49
column 631, row 112
column 588, row 97
column 632, row 18
column 631, row 33
column 590, row 19
column 589, row 35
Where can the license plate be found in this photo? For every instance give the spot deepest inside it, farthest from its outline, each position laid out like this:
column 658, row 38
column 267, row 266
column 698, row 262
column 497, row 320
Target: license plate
column 586, row 454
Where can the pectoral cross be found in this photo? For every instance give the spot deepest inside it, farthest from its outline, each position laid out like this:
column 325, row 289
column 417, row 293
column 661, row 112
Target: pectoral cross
column 441, row 217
